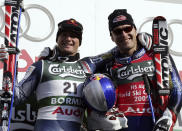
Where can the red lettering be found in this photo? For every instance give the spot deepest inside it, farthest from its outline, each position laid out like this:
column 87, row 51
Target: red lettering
column 68, row 113
column 26, row 57
column 58, row 110
column 77, row 113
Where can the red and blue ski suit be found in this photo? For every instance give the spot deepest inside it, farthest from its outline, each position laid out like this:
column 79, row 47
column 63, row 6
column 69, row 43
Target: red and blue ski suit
column 132, row 99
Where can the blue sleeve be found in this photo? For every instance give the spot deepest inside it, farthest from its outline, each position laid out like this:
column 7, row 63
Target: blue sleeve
column 98, row 63
column 175, row 101
column 88, row 66
column 29, row 83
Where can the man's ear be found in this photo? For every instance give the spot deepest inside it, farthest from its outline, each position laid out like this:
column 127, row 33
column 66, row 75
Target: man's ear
column 111, row 35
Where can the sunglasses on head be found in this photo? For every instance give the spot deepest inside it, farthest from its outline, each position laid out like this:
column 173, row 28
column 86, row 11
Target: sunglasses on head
column 125, row 29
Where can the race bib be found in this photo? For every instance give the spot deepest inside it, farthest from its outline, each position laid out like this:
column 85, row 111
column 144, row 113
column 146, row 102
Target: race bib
column 133, row 100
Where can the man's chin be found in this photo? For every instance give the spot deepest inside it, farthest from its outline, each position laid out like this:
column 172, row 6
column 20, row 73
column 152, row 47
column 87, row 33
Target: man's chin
column 68, row 49
column 67, row 52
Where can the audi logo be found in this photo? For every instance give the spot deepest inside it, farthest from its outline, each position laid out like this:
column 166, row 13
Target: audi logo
column 24, row 31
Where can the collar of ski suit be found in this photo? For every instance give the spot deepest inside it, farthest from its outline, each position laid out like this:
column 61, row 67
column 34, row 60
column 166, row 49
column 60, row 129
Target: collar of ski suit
column 127, row 60
column 57, row 56
column 69, row 58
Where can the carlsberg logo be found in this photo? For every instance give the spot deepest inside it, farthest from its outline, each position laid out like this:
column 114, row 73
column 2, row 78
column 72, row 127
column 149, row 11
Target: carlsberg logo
column 65, row 71
column 134, row 71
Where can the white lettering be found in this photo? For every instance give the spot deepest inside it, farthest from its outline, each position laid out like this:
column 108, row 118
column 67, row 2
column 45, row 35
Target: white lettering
column 61, row 100
column 53, row 101
column 67, row 101
column 23, row 115
column 64, row 71
column 138, row 110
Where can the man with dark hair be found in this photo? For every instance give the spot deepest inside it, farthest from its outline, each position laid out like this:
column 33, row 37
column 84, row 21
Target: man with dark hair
column 130, row 62
column 57, row 81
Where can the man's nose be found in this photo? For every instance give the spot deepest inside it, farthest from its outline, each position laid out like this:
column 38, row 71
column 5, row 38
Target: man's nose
column 123, row 33
column 68, row 37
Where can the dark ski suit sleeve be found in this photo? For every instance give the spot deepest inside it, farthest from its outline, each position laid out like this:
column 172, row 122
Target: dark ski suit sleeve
column 29, row 83
column 98, row 63
column 175, row 100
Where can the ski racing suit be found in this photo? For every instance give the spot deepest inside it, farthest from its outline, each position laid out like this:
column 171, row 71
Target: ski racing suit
column 132, row 99
column 57, row 83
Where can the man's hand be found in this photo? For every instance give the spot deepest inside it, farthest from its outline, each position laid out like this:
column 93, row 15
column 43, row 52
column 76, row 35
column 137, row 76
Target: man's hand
column 3, row 53
column 145, row 39
column 165, row 123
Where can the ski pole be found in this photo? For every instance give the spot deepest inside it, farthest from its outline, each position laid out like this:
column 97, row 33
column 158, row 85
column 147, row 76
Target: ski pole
column 12, row 9
column 15, row 67
column 147, row 89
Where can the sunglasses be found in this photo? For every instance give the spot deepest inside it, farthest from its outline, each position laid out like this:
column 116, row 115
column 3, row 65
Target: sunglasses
column 125, row 29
